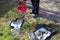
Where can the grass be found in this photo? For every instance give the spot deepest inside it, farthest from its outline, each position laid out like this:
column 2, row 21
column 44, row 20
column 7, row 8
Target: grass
column 7, row 14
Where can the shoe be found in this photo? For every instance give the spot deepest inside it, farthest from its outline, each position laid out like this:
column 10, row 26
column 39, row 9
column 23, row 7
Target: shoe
column 36, row 15
column 31, row 13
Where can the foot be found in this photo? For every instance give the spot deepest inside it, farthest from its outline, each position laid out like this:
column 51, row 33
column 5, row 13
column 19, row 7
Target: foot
column 36, row 15
column 31, row 13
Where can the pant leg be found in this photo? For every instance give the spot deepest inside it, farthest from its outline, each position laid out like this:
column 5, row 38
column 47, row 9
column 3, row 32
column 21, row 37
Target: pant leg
column 37, row 6
column 33, row 4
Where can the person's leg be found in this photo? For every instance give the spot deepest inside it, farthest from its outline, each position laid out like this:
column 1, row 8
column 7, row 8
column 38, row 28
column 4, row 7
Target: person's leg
column 33, row 4
column 37, row 7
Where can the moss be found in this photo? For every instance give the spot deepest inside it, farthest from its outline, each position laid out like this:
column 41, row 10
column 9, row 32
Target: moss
column 1, row 34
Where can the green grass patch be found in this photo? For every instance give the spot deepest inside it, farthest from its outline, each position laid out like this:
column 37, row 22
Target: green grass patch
column 7, row 14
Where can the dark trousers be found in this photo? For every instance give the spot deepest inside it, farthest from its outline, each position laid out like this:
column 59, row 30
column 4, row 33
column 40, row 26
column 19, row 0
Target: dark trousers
column 35, row 4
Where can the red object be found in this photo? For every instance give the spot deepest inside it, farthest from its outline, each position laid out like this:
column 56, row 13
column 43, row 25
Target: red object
column 21, row 6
